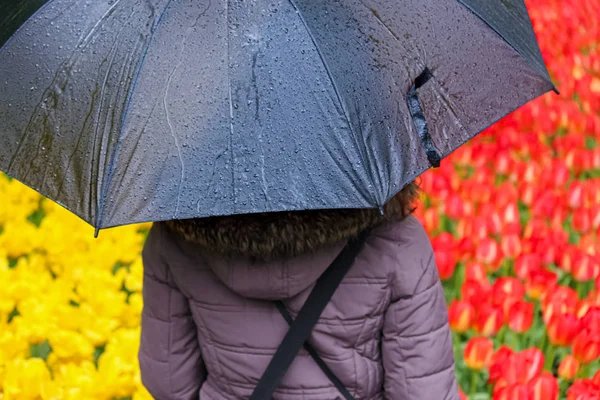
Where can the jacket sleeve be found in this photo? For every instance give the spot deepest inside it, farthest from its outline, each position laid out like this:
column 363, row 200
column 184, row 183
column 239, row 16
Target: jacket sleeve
column 418, row 357
column 170, row 361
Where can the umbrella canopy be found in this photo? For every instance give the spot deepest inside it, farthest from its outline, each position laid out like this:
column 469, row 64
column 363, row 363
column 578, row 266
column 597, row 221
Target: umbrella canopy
column 127, row 111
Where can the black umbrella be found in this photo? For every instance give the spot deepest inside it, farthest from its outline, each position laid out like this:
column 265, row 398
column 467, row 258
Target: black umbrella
column 127, row 111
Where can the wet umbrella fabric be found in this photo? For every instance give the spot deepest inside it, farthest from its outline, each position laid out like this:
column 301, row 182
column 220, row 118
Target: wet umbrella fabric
column 127, row 111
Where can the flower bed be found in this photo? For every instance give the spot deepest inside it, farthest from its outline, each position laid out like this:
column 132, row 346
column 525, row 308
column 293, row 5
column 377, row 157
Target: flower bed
column 514, row 218
column 515, row 222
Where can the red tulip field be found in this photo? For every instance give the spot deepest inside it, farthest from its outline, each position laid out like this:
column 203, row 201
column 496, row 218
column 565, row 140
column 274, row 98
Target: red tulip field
column 515, row 221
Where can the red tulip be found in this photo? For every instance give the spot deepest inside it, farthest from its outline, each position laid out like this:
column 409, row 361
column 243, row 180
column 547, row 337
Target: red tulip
column 544, row 387
column 497, row 363
column 562, row 329
column 596, row 378
column 584, row 389
column 509, row 286
column 575, row 195
column 495, row 224
column 528, row 192
column 568, row 258
column 534, row 362
column 478, row 352
column 511, row 213
column 466, row 248
column 585, row 267
column 582, row 220
column 515, row 391
column 586, row 346
column 431, row 219
column 446, row 263
column 539, row 282
column 506, row 193
column 475, row 271
column 589, row 245
column 536, row 228
column 505, row 303
column 480, row 229
column 454, row 206
column 583, row 307
column 488, row 253
column 464, row 228
column 595, row 216
column 532, row 172
column 488, row 320
column 561, row 299
column 476, row 292
column 462, row 395
column 568, row 368
column 460, row 315
column 591, row 319
column 525, row 263
column 444, row 241
column 559, row 175
column 511, row 245
column 521, row 316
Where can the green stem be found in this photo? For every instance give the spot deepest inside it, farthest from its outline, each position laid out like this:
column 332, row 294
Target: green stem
column 473, row 388
column 550, row 356
column 544, row 343
column 515, row 342
column 580, row 290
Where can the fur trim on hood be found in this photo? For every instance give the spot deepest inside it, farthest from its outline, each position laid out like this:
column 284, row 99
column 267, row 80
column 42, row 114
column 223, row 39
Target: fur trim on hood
column 280, row 235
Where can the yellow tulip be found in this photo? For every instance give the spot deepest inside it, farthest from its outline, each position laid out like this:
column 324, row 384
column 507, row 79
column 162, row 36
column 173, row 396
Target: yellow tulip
column 24, row 379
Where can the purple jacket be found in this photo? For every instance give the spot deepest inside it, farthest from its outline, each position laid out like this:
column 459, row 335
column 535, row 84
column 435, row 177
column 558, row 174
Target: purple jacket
column 209, row 328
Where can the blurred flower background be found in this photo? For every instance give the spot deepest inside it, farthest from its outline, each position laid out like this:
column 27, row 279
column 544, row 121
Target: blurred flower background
column 514, row 217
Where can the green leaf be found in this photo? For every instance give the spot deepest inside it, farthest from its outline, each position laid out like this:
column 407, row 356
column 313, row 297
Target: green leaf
column 118, row 265
column 37, row 216
column 12, row 262
column 574, row 237
column 590, row 143
column 524, row 213
column 73, row 303
column 41, row 350
column 98, row 351
column 14, row 313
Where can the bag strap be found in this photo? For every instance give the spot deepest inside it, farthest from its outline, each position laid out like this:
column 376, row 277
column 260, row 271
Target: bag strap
column 315, row 356
column 307, row 317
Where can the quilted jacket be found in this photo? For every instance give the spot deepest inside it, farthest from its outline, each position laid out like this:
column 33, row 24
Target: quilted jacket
column 209, row 326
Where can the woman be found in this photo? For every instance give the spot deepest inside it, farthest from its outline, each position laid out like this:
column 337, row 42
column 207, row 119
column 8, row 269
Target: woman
column 210, row 325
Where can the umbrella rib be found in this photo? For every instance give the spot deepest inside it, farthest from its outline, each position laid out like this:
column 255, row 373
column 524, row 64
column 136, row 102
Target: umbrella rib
column 539, row 68
column 109, row 171
column 360, row 147
column 230, row 144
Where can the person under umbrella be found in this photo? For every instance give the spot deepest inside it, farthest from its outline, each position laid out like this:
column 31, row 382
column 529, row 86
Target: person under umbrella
column 210, row 325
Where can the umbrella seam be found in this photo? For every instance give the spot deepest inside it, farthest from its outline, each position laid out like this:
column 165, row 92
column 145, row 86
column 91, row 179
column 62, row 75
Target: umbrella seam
column 547, row 75
column 109, row 171
column 230, row 144
column 339, row 98
column 36, row 12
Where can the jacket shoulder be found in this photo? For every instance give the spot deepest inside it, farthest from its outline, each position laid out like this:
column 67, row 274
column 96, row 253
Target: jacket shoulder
column 409, row 248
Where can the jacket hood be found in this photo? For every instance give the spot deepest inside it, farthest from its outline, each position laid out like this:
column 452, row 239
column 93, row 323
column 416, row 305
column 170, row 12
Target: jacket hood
column 284, row 235
column 276, row 279
column 275, row 256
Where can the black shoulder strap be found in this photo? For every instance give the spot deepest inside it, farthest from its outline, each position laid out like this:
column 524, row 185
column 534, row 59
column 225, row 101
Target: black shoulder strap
column 308, row 316
column 315, row 356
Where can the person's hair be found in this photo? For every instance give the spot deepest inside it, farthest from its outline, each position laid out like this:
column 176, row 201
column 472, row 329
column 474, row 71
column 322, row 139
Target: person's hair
column 268, row 236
